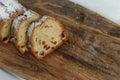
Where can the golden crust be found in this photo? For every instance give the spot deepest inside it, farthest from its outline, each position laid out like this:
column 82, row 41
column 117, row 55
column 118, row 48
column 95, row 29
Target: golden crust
column 1, row 26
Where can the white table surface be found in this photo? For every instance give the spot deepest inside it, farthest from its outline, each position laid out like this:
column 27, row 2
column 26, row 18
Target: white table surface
column 5, row 75
column 107, row 8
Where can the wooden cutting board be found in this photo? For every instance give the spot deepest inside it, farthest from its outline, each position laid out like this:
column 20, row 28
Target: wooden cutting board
column 92, row 51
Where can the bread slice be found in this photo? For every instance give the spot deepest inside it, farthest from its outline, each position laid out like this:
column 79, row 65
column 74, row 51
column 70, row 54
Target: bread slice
column 19, row 29
column 45, row 36
column 5, row 27
column 8, row 11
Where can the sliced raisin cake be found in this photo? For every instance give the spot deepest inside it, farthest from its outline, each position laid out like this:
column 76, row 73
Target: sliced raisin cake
column 9, row 9
column 45, row 36
column 19, row 29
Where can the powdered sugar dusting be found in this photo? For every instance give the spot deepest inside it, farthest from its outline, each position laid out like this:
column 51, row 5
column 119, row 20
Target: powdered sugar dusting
column 15, row 27
column 41, row 20
column 27, row 14
column 12, row 5
column 9, row 7
column 30, row 29
column 3, row 13
column 34, row 24
column 16, row 22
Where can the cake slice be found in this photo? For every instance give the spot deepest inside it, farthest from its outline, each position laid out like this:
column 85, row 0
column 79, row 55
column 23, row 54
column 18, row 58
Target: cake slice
column 19, row 29
column 5, row 26
column 45, row 36
column 8, row 11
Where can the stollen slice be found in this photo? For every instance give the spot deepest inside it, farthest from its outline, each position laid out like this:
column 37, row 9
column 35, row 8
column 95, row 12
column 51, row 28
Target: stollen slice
column 20, row 27
column 8, row 11
column 45, row 36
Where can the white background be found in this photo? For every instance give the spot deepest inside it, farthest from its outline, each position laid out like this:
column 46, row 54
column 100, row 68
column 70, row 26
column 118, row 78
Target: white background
column 5, row 75
column 107, row 8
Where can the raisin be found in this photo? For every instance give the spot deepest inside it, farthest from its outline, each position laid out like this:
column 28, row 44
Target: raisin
column 22, row 46
column 4, row 39
column 43, row 42
column 53, row 48
column 46, row 26
column 48, row 48
column 45, row 46
column 62, row 35
column 55, row 42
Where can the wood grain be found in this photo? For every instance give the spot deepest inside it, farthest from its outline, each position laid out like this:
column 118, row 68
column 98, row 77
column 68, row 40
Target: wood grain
column 92, row 51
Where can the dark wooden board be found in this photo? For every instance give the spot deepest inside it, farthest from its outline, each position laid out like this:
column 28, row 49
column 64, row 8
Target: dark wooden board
column 92, row 51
